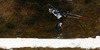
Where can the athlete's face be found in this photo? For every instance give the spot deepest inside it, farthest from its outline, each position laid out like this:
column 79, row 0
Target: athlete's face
column 50, row 11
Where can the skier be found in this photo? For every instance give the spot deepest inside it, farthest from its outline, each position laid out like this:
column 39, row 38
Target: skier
column 59, row 23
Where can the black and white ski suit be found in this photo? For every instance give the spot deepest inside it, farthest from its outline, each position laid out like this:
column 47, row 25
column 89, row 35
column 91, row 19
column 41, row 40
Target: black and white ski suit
column 60, row 20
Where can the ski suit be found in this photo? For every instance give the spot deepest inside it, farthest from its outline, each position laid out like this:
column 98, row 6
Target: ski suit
column 60, row 20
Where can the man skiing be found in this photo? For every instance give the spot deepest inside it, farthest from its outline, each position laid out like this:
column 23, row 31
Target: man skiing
column 59, row 23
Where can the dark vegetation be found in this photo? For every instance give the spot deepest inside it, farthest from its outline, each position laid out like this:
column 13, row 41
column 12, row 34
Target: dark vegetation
column 31, row 19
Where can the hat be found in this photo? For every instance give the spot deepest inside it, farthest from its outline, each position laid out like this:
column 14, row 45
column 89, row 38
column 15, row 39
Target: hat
column 50, row 9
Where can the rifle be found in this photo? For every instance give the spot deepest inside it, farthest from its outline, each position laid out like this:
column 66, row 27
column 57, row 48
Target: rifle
column 80, row 17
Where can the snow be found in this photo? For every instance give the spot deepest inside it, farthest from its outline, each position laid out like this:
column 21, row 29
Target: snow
column 8, row 43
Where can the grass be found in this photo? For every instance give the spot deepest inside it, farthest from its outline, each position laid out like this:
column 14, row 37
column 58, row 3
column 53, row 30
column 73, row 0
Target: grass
column 40, row 48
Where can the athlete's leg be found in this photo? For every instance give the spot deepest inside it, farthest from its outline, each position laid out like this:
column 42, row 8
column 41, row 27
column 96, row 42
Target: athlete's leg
column 58, row 28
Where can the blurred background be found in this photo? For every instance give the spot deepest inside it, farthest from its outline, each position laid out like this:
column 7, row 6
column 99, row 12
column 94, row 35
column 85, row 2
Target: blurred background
column 31, row 19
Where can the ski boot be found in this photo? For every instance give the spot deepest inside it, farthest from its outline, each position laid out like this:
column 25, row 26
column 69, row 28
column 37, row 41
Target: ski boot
column 59, row 36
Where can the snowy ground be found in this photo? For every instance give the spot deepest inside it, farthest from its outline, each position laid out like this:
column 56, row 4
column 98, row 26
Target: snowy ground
column 8, row 43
